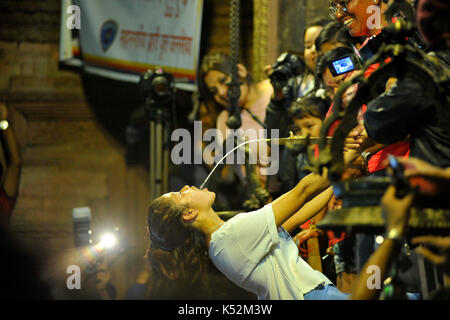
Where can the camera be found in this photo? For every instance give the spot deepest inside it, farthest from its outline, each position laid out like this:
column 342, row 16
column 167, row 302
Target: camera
column 286, row 66
column 82, row 226
column 343, row 65
column 157, row 85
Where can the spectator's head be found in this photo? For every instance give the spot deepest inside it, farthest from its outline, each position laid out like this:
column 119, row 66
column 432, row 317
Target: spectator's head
column 308, row 113
column 359, row 16
column 331, row 83
column 214, row 77
column 310, row 36
column 333, row 35
column 433, row 21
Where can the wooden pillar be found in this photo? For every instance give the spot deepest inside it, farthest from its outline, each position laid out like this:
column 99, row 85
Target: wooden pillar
column 265, row 36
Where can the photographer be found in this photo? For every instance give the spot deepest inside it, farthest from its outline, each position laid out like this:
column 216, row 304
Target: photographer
column 297, row 84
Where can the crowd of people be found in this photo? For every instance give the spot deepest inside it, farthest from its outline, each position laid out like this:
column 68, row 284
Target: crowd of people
column 269, row 251
column 263, row 251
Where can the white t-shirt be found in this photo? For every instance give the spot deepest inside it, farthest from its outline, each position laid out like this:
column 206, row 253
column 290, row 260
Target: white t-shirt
column 256, row 256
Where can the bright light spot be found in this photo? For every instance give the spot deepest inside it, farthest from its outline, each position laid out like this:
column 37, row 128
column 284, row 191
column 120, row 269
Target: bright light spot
column 379, row 239
column 108, row 240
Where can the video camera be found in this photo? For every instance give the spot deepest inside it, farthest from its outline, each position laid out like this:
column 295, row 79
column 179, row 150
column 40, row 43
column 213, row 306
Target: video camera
column 286, row 66
column 355, row 61
column 157, row 86
column 343, row 65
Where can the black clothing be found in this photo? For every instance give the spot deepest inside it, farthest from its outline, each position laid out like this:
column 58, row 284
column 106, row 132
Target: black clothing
column 408, row 109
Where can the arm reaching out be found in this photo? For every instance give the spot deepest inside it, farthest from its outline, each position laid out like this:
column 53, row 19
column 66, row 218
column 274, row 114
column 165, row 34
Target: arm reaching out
column 309, row 210
column 290, row 202
column 397, row 216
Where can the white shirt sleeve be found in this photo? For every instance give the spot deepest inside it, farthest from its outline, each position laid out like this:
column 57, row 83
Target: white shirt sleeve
column 242, row 242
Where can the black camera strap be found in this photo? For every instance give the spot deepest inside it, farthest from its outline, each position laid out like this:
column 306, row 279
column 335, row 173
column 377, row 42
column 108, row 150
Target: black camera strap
column 256, row 118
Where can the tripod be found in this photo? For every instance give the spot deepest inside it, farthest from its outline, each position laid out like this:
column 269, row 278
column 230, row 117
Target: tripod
column 159, row 151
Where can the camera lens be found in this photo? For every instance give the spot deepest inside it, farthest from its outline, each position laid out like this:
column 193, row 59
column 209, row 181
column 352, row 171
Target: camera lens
column 161, row 86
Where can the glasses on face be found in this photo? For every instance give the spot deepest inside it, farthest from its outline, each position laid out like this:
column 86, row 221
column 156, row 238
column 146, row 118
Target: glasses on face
column 340, row 6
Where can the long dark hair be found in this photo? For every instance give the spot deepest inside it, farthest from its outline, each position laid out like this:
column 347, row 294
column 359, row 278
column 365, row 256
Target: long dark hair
column 179, row 260
column 215, row 61
column 176, row 247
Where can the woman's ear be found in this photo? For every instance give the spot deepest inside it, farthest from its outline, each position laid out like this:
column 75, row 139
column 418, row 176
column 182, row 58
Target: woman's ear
column 189, row 215
column 242, row 71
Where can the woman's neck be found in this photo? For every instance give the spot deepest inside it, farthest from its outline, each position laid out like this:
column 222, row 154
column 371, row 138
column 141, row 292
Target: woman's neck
column 210, row 224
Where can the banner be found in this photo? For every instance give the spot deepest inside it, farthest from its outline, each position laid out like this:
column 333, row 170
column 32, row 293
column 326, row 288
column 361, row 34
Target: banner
column 123, row 38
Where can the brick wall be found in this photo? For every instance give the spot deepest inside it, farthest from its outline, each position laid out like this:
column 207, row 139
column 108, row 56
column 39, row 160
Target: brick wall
column 70, row 159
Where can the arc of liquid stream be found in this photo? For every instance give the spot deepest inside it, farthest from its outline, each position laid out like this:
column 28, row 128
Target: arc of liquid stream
column 291, row 138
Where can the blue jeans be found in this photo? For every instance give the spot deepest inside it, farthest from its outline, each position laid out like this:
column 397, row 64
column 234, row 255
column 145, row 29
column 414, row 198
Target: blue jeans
column 328, row 292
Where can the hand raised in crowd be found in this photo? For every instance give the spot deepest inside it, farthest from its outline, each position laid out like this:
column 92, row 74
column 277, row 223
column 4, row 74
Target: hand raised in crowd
column 396, row 210
column 417, row 167
column 278, row 92
column 428, row 178
column 441, row 244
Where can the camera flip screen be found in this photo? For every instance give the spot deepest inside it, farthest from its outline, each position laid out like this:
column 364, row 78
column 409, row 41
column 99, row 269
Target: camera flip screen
column 343, row 65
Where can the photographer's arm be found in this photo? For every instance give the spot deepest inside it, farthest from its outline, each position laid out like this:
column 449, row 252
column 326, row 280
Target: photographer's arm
column 397, row 216
column 309, row 210
column 14, row 166
column 289, row 203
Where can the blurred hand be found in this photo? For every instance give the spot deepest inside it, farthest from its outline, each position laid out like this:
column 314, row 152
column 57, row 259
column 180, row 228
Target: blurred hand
column 268, row 70
column 315, row 182
column 306, row 234
column 278, row 92
column 335, row 203
column 418, row 167
column 396, row 210
column 355, row 138
column 330, row 251
column 3, row 111
column 442, row 244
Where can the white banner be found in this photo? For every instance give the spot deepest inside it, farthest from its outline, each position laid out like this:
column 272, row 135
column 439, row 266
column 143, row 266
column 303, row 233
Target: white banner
column 132, row 36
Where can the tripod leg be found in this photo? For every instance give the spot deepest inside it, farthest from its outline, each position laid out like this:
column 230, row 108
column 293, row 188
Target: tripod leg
column 152, row 160
column 159, row 158
column 165, row 170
